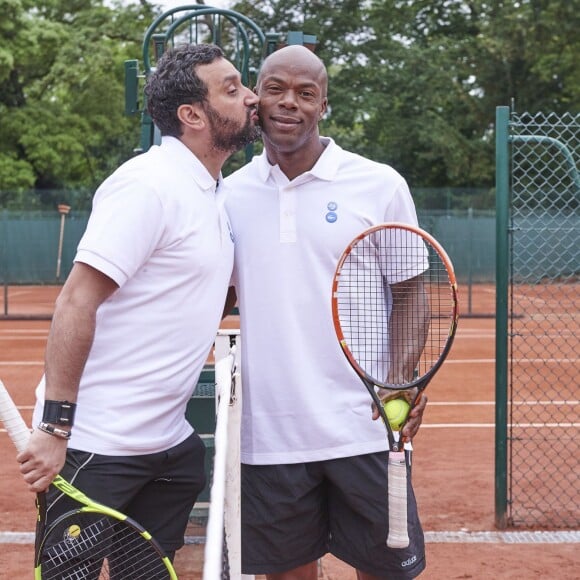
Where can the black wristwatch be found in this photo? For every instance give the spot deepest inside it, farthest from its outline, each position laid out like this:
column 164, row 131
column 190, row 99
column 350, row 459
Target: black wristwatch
column 59, row 413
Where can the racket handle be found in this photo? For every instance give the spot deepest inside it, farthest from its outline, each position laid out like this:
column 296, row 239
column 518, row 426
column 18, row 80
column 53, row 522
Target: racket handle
column 13, row 421
column 397, row 481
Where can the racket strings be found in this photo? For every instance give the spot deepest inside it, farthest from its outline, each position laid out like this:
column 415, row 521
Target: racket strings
column 390, row 267
column 102, row 550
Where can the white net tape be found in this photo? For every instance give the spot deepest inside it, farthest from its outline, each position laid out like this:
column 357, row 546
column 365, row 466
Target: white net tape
column 222, row 558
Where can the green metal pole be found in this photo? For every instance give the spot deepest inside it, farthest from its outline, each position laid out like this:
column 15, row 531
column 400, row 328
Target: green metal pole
column 4, row 259
column 501, row 324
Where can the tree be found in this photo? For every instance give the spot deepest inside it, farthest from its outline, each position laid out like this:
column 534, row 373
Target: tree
column 415, row 83
column 528, row 51
column 61, row 90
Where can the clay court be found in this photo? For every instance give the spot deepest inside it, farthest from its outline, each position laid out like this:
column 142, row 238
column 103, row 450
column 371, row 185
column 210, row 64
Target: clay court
column 453, row 463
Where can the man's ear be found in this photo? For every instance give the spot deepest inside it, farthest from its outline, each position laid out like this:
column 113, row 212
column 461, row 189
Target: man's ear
column 192, row 116
column 323, row 108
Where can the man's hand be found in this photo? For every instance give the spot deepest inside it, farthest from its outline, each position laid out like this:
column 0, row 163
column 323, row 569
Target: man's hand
column 415, row 419
column 415, row 414
column 42, row 460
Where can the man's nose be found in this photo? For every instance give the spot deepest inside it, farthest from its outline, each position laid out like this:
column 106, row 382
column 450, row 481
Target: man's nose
column 251, row 98
column 288, row 99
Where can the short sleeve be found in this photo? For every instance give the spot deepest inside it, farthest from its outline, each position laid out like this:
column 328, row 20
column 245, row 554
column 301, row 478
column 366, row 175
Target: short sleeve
column 124, row 229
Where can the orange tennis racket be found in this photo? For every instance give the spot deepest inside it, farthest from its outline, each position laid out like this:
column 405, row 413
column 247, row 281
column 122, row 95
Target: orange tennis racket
column 395, row 312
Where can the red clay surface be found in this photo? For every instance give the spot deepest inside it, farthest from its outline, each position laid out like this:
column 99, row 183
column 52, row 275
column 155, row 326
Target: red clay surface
column 453, row 465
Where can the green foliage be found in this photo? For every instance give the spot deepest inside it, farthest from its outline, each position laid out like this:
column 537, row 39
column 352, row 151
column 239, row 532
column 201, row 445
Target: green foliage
column 62, row 91
column 413, row 83
column 15, row 174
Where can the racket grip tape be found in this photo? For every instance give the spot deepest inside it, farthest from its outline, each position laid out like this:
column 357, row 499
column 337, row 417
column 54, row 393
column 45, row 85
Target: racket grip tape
column 13, row 421
column 397, row 495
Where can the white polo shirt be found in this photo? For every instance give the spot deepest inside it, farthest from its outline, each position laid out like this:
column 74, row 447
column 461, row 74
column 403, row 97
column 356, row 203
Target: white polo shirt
column 302, row 400
column 159, row 230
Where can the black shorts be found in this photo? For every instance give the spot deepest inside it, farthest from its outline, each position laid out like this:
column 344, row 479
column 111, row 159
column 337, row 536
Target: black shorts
column 157, row 490
column 294, row 514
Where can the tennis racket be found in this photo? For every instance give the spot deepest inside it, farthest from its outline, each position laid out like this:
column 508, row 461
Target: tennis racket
column 92, row 541
column 395, row 311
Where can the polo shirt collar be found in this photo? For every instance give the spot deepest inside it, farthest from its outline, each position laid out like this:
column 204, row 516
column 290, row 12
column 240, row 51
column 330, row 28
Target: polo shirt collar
column 325, row 168
column 185, row 156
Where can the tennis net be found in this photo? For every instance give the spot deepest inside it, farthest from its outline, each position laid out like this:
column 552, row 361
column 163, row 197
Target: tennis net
column 222, row 555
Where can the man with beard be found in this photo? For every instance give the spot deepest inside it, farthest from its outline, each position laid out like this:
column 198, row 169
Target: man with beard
column 314, row 463
column 136, row 318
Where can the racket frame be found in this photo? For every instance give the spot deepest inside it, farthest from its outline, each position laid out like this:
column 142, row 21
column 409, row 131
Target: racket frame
column 419, row 383
column 20, row 434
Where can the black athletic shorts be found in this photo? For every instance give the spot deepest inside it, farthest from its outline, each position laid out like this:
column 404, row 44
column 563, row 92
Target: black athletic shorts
column 294, row 514
column 157, row 490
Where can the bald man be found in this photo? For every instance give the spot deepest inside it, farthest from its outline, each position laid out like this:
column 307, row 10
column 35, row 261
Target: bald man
column 314, row 457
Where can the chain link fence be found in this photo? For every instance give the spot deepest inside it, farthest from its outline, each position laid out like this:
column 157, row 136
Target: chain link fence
column 542, row 326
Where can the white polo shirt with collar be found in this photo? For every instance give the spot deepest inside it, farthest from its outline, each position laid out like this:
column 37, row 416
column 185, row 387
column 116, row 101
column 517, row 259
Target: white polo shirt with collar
column 302, row 400
column 159, row 229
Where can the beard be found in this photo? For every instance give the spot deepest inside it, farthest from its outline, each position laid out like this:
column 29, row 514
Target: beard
column 227, row 134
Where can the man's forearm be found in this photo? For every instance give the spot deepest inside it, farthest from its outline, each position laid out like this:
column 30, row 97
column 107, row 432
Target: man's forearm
column 408, row 328
column 69, row 343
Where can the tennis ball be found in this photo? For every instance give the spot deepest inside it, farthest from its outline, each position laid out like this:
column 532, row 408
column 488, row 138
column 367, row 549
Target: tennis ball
column 396, row 411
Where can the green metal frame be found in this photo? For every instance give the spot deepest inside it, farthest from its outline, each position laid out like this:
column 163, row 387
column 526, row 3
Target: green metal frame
column 501, row 324
column 195, row 11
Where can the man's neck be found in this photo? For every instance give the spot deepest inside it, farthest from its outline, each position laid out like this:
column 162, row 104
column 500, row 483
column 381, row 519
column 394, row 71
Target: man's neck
column 296, row 162
column 211, row 158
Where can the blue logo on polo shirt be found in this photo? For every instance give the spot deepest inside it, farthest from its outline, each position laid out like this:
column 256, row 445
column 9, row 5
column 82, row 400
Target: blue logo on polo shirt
column 331, row 216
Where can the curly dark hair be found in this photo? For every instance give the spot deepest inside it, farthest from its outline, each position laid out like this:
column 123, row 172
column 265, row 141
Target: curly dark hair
column 174, row 82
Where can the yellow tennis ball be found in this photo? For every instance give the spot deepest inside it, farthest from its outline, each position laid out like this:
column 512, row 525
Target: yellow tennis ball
column 396, row 411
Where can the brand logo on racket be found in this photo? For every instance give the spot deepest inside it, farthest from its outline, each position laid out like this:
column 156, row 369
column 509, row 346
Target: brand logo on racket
column 72, row 533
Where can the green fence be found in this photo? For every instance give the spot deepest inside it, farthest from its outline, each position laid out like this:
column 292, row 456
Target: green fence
column 538, row 320
column 29, row 244
column 468, row 236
